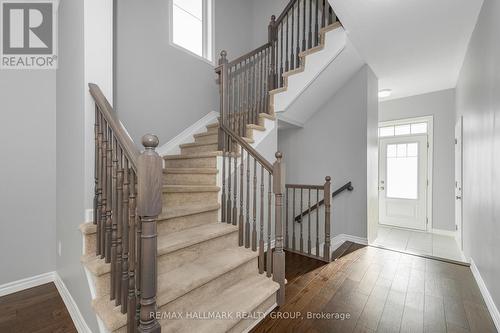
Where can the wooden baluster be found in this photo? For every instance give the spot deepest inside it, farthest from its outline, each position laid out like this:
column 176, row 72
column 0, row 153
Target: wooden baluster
column 98, row 208
column 297, row 50
column 149, row 206
column 292, row 55
column 247, row 225
column 316, row 31
column 301, row 222
column 286, row 45
column 241, row 220
column 119, row 224
column 272, row 39
column 304, row 24
column 331, row 14
column 240, row 100
column 114, row 231
column 323, row 14
column 309, row 223
column 286, row 219
column 269, row 259
column 327, row 198
column 125, row 235
column 317, row 223
column 132, row 221
column 281, row 57
column 109, row 166
column 96, row 175
column 138, row 256
column 293, row 220
column 235, row 182
column 279, row 254
column 310, row 36
column 229, row 208
column 223, row 88
column 254, row 207
column 261, row 231
column 104, row 184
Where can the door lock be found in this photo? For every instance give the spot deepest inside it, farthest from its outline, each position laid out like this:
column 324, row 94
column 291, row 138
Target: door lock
column 458, row 197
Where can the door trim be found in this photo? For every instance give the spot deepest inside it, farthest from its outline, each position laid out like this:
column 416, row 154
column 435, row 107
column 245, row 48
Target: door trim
column 430, row 156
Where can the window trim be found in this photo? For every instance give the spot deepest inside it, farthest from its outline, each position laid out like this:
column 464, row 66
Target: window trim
column 208, row 32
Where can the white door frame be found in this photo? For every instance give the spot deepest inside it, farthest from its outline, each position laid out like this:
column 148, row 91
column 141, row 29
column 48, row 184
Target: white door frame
column 459, row 183
column 430, row 151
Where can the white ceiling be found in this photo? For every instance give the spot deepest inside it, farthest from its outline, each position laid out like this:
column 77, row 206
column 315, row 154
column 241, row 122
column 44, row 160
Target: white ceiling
column 413, row 46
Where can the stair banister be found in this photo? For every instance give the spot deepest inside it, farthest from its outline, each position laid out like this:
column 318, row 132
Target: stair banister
column 127, row 202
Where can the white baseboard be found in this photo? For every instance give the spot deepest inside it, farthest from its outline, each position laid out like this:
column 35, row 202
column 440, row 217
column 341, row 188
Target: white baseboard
column 89, row 215
column 38, row 280
column 492, row 308
column 74, row 312
column 338, row 240
column 186, row 136
column 34, row 281
column 449, row 233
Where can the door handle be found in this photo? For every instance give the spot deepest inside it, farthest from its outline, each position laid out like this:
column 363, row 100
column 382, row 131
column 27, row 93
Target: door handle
column 458, row 197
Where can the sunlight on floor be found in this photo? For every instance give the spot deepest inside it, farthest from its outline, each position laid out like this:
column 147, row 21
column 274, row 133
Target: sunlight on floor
column 418, row 242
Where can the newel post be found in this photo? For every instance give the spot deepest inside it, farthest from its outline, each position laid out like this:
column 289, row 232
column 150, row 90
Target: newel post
column 273, row 37
column 279, row 254
column 149, row 205
column 328, row 199
column 222, row 71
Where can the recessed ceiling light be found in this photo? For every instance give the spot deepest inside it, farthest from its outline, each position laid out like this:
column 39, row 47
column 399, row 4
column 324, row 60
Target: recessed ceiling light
column 384, row 93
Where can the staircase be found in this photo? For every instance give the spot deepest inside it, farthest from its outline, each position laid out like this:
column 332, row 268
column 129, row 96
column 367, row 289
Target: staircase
column 194, row 242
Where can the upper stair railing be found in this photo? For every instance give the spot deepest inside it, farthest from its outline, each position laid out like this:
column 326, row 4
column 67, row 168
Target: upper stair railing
column 245, row 82
column 127, row 202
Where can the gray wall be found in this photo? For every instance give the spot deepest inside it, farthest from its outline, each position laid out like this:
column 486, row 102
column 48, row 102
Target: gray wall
column 28, row 150
column 478, row 100
column 162, row 89
column 334, row 142
column 71, row 89
column 441, row 105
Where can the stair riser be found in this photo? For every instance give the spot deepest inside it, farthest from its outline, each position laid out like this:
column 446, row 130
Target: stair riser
column 189, row 179
column 102, row 284
column 200, row 149
column 243, row 325
column 207, row 139
column 210, row 290
column 173, row 199
column 202, row 162
column 184, row 222
column 175, row 259
column 90, row 244
column 213, row 129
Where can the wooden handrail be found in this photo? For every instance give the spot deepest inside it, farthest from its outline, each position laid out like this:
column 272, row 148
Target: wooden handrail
column 285, row 11
column 246, row 146
column 305, row 187
column 299, row 217
column 121, row 134
column 249, row 54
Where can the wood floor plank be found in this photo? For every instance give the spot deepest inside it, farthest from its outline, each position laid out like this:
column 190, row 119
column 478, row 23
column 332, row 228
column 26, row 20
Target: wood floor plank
column 377, row 290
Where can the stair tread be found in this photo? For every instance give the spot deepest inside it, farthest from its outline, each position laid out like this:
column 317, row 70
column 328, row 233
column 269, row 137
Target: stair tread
column 88, row 228
column 243, row 297
column 190, row 188
column 197, row 144
column 197, row 135
column 174, row 284
column 178, row 211
column 194, row 155
column 188, row 237
column 256, row 127
column 209, row 171
column 213, row 125
column 95, row 265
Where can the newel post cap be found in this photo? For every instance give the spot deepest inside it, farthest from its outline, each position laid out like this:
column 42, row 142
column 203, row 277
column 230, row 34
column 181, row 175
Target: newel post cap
column 328, row 178
column 278, row 155
column 150, row 141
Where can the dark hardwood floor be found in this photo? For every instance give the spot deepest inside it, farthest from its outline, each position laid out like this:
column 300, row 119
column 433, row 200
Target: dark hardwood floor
column 35, row 310
column 375, row 290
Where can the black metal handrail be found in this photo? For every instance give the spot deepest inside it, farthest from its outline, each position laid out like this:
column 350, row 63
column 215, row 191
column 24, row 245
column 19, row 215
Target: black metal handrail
column 341, row 189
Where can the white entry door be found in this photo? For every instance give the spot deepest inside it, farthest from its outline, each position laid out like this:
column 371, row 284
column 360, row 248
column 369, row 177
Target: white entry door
column 403, row 182
column 458, row 180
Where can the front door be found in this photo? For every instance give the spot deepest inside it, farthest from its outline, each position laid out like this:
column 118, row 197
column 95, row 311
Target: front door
column 403, row 181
